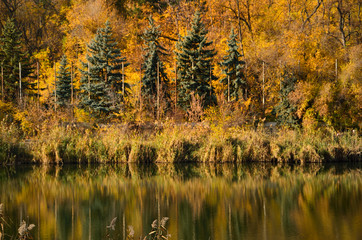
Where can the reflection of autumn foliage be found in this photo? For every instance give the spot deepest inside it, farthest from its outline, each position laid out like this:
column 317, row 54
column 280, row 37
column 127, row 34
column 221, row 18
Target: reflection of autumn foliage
column 201, row 199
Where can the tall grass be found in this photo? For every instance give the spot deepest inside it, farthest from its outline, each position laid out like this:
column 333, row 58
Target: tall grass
column 195, row 144
column 12, row 147
column 179, row 144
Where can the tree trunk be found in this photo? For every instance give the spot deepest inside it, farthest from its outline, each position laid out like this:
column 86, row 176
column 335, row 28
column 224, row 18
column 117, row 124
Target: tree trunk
column 239, row 26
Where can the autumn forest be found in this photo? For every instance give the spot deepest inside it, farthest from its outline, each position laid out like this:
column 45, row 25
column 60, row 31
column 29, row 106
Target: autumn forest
column 180, row 119
column 121, row 80
column 296, row 61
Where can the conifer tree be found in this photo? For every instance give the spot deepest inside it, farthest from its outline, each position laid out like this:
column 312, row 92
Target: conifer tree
column 285, row 111
column 233, row 69
column 194, row 65
column 152, row 61
column 11, row 54
column 63, row 86
column 102, row 89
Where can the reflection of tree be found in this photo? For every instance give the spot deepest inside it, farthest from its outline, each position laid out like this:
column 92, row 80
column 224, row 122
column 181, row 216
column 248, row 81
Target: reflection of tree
column 247, row 198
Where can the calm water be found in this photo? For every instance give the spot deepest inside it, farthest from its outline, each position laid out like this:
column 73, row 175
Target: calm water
column 254, row 201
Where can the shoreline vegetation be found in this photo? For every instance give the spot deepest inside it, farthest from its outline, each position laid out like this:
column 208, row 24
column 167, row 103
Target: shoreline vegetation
column 172, row 143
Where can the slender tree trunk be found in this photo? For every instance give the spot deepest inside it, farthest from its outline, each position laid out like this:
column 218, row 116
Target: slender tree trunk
column 210, row 80
column 228, row 88
column 20, row 83
column 264, row 221
column 175, row 87
column 56, row 218
column 341, row 23
column 246, row 83
column 140, row 96
column 55, row 85
column 38, row 226
column 158, row 90
column 280, row 75
column 193, row 226
column 37, row 84
column 71, row 90
column 230, row 229
column 21, row 214
column 123, row 80
column 89, row 92
column 289, row 11
column 192, row 70
column 124, row 225
column 263, row 89
column 158, row 211
column 2, row 84
column 239, row 26
column 89, row 221
column 72, row 216
column 71, row 85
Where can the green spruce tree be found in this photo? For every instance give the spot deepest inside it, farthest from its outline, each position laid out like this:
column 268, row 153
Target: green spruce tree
column 102, row 89
column 233, row 69
column 11, row 54
column 285, row 111
column 152, row 61
column 63, row 85
column 194, row 65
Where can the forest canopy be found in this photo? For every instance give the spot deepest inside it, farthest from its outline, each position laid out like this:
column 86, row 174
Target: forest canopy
column 295, row 62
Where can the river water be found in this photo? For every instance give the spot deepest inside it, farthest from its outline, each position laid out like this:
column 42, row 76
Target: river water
column 202, row 201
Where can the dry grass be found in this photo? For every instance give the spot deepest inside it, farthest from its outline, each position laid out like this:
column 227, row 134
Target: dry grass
column 11, row 147
column 180, row 143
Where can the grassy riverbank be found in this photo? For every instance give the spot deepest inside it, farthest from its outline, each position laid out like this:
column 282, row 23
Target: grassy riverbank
column 178, row 144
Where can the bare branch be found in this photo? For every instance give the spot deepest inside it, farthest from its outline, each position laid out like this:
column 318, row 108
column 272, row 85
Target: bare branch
column 311, row 15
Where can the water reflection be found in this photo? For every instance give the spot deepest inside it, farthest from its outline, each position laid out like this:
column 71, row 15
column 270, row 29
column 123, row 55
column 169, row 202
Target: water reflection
column 203, row 201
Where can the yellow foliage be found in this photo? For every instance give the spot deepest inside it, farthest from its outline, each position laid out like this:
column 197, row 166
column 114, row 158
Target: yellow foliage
column 46, row 74
column 6, row 108
column 309, row 120
column 22, row 118
column 302, row 37
column 85, row 17
column 81, row 115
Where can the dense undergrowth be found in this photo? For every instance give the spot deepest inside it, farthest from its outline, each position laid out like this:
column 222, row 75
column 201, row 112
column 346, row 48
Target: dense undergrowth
column 177, row 144
column 12, row 146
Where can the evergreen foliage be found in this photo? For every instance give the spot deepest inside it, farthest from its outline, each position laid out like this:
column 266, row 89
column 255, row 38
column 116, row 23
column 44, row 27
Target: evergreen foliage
column 152, row 57
column 11, row 54
column 194, row 64
column 285, row 110
column 101, row 82
column 233, row 69
column 63, row 85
